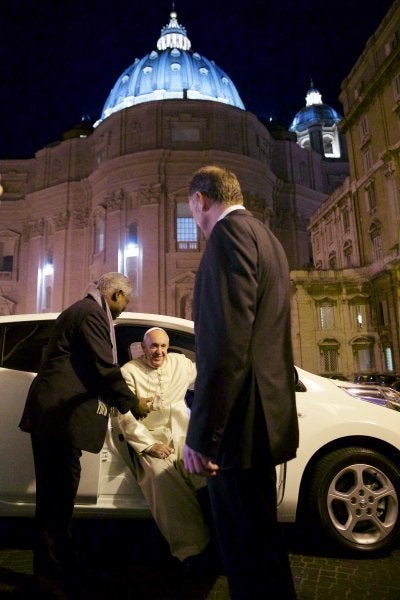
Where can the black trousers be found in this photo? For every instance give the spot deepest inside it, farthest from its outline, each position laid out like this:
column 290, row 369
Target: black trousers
column 57, row 470
column 256, row 562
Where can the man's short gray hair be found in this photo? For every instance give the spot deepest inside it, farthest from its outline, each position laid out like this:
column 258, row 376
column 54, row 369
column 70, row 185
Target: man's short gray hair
column 114, row 282
column 217, row 183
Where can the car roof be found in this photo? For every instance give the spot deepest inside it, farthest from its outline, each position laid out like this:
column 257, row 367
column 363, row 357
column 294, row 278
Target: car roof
column 31, row 317
column 147, row 319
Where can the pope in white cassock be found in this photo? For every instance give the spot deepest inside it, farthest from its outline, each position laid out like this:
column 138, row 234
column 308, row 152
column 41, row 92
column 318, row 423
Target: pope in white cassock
column 158, row 439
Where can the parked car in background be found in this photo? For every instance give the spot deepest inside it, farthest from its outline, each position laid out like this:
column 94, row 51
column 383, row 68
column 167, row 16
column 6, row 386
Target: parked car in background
column 344, row 481
column 385, row 379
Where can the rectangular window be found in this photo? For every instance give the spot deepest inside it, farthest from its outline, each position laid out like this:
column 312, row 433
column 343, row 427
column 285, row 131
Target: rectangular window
column 367, row 159
column 329, row 231
column 396, row 88
column 371, row 197
column 377, row 247
column 364, row 357
column 183, row 133
column 383, row 313
column 345, row 221
column 186, row 233
column 360, row 315
column 388, row 354
column 329, row 360
column 7, row 249
column 326, row 317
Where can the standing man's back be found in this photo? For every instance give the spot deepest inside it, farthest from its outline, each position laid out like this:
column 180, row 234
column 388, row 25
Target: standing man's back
column 243, row 418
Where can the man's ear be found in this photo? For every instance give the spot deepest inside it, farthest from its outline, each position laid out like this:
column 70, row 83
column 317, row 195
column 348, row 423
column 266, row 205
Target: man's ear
column 114, row 296
column 204, row 201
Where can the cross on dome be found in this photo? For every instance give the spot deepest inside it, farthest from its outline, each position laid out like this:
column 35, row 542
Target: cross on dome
column 313, row 96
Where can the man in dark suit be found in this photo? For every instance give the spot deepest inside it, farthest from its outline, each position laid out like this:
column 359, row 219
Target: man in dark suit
column 243, row 417
column 67, row 411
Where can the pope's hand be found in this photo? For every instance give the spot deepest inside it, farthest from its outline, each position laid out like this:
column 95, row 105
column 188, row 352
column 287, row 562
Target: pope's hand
column 159, row 450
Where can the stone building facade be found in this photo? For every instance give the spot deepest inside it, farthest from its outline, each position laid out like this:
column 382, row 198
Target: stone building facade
column 349, row 307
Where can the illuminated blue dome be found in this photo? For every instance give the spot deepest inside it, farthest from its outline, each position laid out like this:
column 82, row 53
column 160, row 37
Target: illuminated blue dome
column 315, row 112
column 171, row 71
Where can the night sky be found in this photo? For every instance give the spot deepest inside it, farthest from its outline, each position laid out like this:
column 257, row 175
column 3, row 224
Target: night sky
column 59, row 59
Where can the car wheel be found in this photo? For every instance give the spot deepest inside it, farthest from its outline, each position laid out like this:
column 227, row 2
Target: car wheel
column 355, row 494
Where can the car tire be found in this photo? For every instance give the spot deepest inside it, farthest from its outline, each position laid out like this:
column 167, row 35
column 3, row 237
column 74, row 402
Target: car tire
column 355, row 495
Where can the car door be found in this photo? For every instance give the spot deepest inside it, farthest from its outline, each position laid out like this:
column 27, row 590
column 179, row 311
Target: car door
column 22, row 346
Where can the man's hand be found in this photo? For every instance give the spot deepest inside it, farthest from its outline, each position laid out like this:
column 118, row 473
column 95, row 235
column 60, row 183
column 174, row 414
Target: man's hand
column 195, row 462
column 159, row 450
column 142, row 408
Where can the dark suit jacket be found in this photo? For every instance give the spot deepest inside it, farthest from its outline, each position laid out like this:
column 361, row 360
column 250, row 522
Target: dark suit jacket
column 78, row 370
column 244, row 402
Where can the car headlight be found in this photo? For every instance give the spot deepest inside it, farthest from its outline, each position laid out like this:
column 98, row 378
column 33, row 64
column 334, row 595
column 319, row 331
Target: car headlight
column 392, row 398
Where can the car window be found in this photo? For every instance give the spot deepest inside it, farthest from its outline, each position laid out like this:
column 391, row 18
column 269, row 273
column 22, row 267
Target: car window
column 129, row 337
column 24, row 345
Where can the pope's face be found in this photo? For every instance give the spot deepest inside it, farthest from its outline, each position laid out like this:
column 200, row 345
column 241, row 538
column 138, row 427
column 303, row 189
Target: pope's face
column 155, row 348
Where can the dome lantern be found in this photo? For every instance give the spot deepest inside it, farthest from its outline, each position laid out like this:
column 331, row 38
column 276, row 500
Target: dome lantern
column 173, row 35
column 173, row 71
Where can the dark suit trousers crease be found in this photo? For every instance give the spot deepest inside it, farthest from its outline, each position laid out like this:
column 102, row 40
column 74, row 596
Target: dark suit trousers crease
column 255, row 559
column 57, row 470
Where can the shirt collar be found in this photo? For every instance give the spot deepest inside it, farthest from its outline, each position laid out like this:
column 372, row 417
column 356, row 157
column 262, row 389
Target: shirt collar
column 231, row 209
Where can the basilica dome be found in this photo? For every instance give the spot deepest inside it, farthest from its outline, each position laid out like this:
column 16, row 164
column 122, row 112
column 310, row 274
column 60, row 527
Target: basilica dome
column 314, row 113
column 172, row 71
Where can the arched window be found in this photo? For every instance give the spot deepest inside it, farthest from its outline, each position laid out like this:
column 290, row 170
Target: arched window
column 347, row 253
column 328, row 145
column 332, row 260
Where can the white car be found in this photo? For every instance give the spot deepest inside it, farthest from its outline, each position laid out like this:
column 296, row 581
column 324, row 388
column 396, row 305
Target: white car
column 345, row 480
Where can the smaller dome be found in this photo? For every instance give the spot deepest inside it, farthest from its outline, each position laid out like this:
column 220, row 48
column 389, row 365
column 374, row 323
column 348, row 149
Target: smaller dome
column 314, row 113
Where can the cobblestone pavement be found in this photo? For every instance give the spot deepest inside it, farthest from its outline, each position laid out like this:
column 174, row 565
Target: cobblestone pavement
column 132, row 560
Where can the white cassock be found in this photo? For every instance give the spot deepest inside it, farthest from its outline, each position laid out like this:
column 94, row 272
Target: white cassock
column 168, row 488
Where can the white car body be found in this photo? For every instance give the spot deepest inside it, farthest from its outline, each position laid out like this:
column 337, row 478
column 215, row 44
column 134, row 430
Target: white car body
column 331, row 421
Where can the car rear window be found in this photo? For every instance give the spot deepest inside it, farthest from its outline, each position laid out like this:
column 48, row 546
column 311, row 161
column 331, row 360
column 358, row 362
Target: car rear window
column 23, row 345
